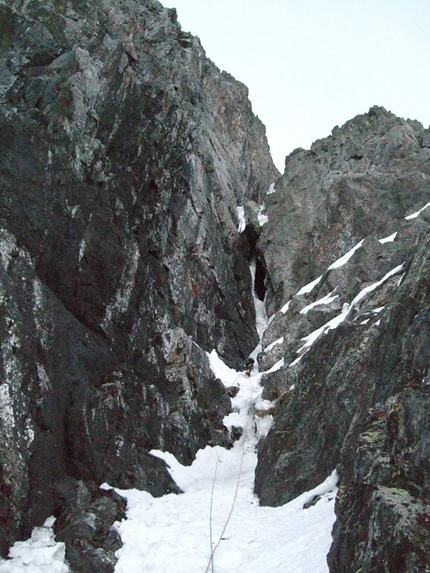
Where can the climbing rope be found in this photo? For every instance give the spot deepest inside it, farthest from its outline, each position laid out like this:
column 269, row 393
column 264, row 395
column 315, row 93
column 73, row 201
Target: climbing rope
column 213, row 549
column 210, row 514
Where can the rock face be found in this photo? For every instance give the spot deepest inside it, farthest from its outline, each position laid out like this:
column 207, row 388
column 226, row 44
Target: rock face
column 359, row 182
column 124, row 156
column 124, row 153
column 348, row 341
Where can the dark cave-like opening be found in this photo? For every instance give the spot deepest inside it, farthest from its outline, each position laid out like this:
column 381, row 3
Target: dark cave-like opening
column 251, row 237
column 260, row 279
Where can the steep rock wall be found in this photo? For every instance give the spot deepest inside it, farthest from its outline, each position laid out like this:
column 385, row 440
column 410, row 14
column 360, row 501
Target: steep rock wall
column 352, row 392
column 361, row 181
column 124, row 153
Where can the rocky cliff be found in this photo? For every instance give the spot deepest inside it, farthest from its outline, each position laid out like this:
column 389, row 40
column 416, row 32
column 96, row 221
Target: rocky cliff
column 124, row 154
column 348, row 340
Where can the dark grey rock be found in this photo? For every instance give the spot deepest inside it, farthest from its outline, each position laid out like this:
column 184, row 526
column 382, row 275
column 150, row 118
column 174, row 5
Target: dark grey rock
column 360, row 403
column 124, row 153
column 358, row 399
column 329, row 199
column 86, row 515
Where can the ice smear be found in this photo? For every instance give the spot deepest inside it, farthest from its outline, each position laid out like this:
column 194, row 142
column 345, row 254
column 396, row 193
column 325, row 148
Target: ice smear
column 242, row 222
column 271, row 189
column 260, row 309
column 262, row 216
column 415, row 215
column 39, row 554
column 343, row 260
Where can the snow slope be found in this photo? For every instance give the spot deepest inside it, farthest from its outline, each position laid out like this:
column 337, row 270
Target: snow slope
column 216, row 525
column 173, row 534
column 217, row 518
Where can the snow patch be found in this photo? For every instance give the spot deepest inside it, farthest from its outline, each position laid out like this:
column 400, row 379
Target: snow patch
column 242, row 223
column 227, row 375
column 277, row 366
column 273, row 344
column 415, row 215
column 309, row 287
column 39, row 554
column 389, row 239
column 262, row 215
column 271, row 189
column 343, row 260
column 326, row 300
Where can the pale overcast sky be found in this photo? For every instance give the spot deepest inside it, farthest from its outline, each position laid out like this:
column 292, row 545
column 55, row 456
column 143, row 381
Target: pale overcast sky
column 313, row 64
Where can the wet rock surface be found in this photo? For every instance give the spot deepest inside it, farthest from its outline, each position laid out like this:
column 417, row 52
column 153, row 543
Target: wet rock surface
column 124, row 153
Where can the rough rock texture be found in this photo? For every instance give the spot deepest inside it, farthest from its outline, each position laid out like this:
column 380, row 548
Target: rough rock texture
column 360, row 181
column 124, row 153
column 85, row 525
column 353, row 392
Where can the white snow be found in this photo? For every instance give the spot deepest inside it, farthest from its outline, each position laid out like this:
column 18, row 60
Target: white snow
column 415, row 215
column 333, row 323
column 39, row 554
column 373, row 286
column 271, row 189
column 218, row 510
column 229, row 376
column 389, row 239
column 262, row 216
column 343, row 260
column 346, row 309
column 274, row 343
column 277, row 366
column 285, row 307
column 325, row 300
column 309, row 287
column 242, row 222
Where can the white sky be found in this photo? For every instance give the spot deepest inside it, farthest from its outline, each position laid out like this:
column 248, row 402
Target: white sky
column 313, row 64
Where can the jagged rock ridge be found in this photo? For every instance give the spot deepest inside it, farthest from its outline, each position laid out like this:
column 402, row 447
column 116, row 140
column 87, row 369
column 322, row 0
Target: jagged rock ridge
column 124, row 153
column 348, row 339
